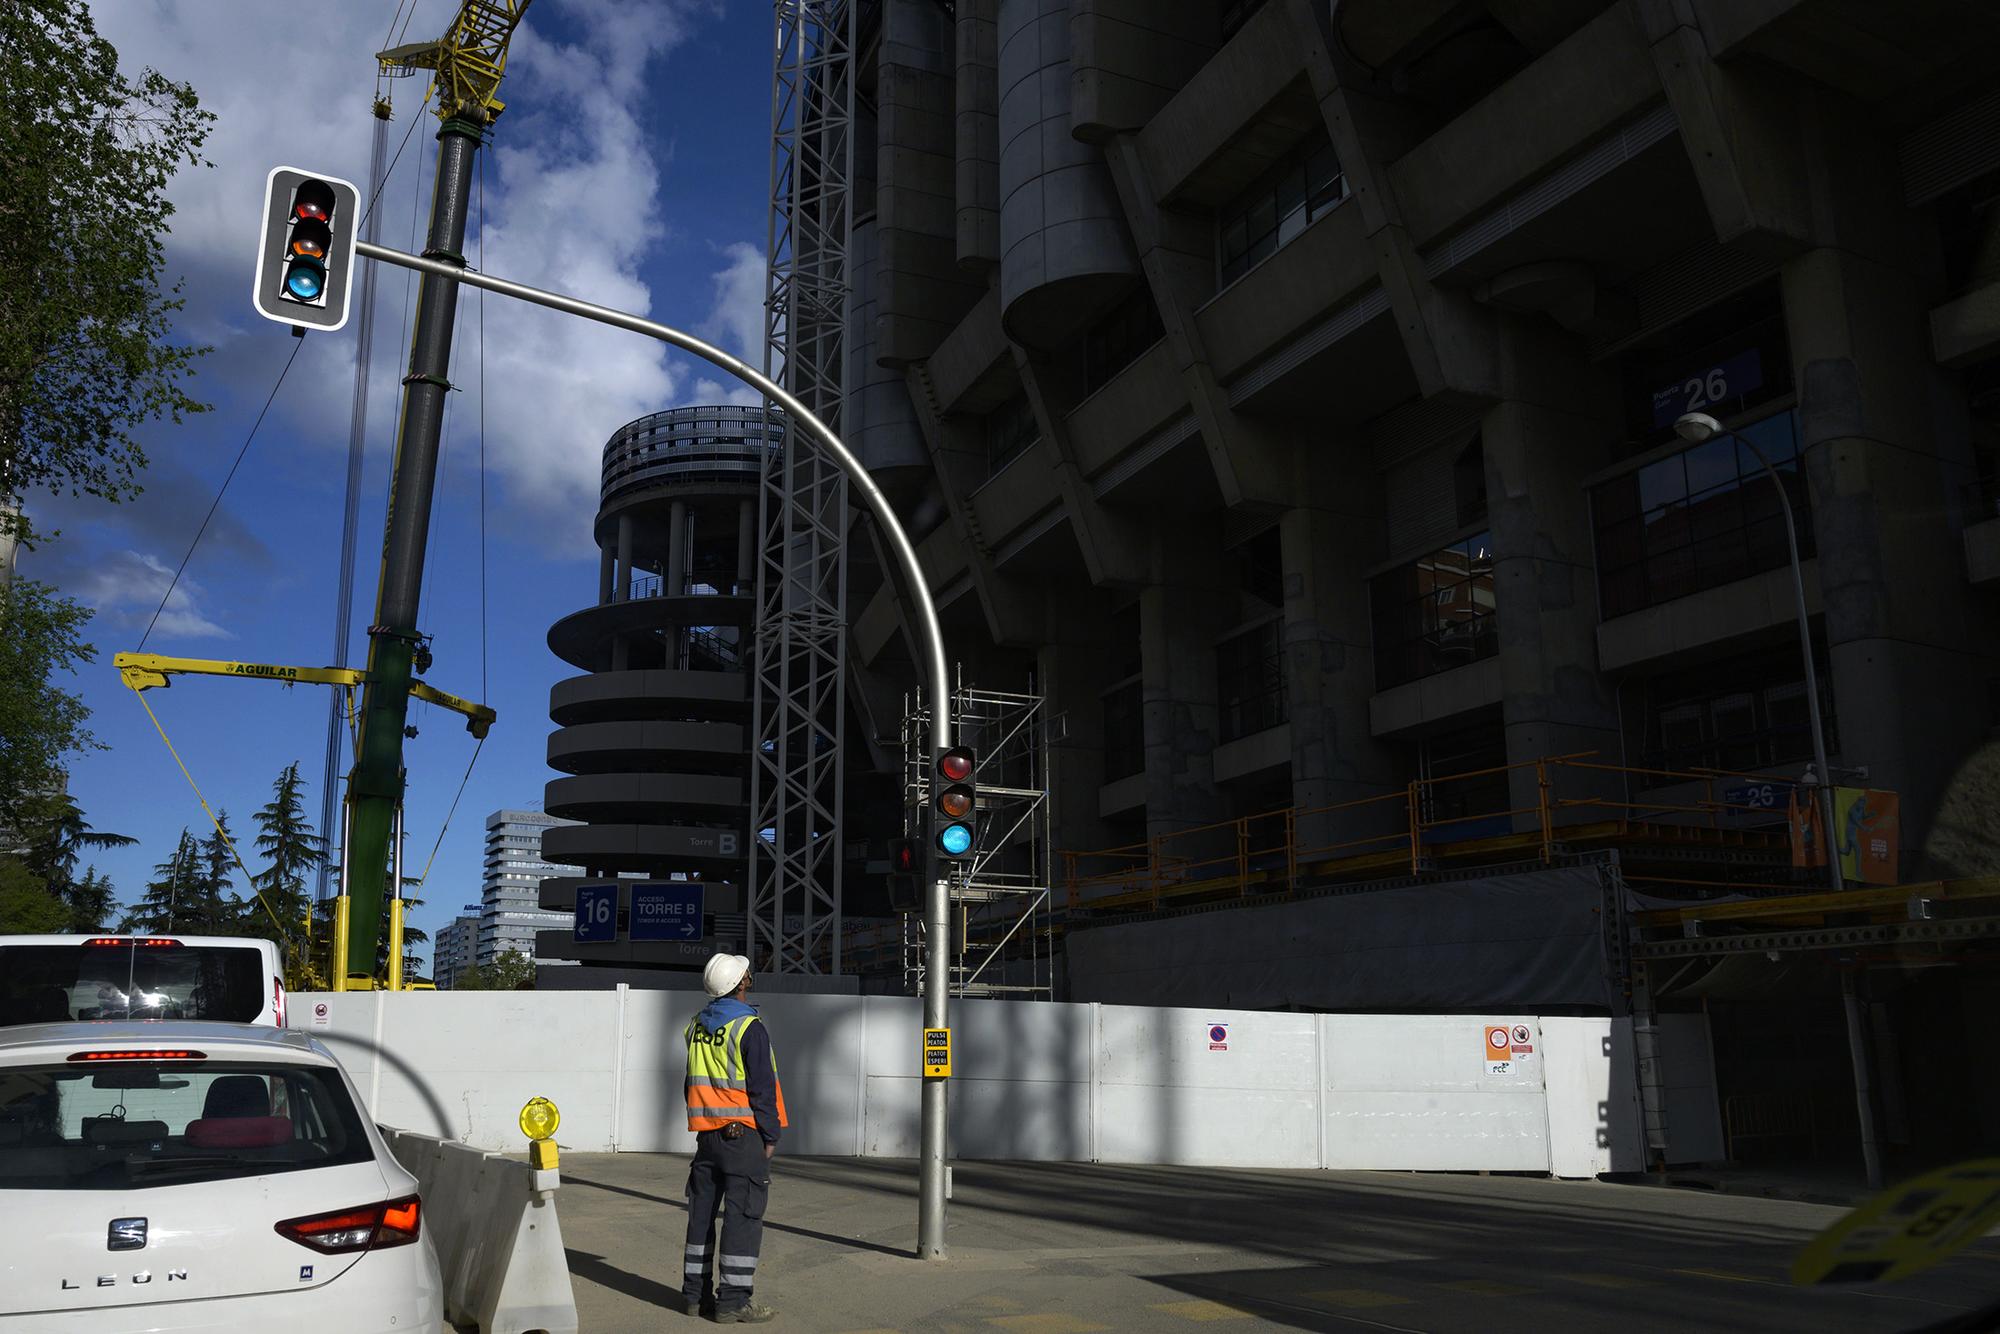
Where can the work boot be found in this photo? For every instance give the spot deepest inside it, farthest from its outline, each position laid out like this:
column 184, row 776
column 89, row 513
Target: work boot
column 747, row 1314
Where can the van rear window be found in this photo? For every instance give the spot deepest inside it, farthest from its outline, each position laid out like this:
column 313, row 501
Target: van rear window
column 53, row 983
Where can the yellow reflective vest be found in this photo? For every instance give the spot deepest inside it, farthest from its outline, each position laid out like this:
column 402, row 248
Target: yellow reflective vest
column 718, row 1086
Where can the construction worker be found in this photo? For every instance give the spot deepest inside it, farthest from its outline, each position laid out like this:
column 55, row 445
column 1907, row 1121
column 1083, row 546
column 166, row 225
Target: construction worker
column 736, row 1109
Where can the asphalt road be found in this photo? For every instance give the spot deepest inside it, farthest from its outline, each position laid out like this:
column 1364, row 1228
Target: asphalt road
column 1043, row 1248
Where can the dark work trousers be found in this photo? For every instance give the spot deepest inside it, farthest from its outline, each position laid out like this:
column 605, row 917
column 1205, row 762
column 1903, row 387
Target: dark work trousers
column 737, row 1171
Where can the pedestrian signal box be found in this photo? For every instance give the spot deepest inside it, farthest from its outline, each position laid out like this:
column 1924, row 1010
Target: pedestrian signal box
column 937, row 1053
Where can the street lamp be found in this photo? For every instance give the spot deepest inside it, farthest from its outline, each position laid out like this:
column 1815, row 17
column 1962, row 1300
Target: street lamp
column 1699, row 428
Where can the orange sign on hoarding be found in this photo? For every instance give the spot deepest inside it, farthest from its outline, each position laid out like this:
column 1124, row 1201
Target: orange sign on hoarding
column 1867, row 833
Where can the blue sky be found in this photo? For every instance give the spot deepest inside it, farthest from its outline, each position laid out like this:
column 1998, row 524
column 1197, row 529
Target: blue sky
column 629, row 168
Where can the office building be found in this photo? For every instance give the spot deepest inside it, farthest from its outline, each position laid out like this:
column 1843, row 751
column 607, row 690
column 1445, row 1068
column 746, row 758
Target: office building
column 455, row 947
column 510, row 909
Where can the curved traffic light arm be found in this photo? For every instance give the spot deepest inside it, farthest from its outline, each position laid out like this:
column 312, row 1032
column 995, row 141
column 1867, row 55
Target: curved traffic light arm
column 143, row 671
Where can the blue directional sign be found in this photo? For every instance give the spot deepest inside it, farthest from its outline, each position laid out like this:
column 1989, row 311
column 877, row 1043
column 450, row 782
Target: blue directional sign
column 666, row 910
column 596, row 914
column 1769, row 795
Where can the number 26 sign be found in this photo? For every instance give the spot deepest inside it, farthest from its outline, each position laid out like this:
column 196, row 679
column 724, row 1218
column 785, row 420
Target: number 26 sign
column 1706, row 386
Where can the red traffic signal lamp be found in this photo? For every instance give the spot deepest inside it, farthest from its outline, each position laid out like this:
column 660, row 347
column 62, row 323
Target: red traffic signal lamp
column 305, row 250
column 954, row 803
column 906, row 872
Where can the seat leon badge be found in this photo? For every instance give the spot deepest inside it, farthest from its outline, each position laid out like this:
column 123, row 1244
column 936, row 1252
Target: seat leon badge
column 127, row 1234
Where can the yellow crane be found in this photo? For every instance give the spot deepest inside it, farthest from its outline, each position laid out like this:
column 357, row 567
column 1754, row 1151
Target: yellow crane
column 144, row 671
column 467, row 61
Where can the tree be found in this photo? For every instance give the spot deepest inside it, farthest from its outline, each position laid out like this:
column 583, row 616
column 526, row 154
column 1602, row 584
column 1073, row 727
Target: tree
column 56, row 835
column 215, row 909
column 26, row 906
column 505, row 973
column 91, row 902
column 290, row 850
column 86, row 347
column 163, row 907
column 40, row 722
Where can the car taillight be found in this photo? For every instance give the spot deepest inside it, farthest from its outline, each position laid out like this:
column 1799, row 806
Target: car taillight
column 372, row 1227
column 278, row 1001
column 140, row 1054
column 150, row 942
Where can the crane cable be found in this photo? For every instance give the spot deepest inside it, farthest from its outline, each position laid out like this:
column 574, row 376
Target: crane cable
column 227, row 841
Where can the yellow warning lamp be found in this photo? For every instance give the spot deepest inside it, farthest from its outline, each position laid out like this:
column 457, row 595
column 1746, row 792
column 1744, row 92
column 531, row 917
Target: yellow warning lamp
column 539, row 1120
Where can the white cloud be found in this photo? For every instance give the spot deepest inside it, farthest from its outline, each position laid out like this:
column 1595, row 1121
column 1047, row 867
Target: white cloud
column 737, row 320
column 125, row 587
column 573, row 202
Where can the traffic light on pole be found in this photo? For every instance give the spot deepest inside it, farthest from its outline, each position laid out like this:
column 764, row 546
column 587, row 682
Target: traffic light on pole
column 305, row 250
column 906, row 871
column 954, row 803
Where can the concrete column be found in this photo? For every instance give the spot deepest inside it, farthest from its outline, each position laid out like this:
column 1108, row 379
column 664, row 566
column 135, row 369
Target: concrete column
column 976, row 105
column 746, row 547
column 1541, row 440
column 1898, row 611
column 677, row 548
column 1072, row 668
column 622, row 579
column 1182, row 613
column 620, row 653
column 606, row 573
column 1329, row 673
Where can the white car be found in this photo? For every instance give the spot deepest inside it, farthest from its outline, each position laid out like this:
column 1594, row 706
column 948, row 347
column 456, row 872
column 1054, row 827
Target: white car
column 47, row 979
column 174, row 1176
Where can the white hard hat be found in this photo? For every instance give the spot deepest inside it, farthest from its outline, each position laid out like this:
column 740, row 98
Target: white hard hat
column 724, row 973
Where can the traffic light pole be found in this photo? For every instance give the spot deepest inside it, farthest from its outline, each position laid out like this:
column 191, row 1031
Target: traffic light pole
column 375, row 787
column 930, row 1194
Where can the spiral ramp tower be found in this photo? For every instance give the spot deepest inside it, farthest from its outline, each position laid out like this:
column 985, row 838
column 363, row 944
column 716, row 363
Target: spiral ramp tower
column 652, row 738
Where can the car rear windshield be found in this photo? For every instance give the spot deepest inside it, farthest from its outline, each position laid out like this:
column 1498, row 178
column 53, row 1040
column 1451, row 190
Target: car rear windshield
column 120, row 1124
column 54, row 983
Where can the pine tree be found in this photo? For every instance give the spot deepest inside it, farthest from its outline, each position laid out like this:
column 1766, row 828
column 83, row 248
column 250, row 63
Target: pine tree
column 214, row 908
column 290, row 850
column 163, row 908
column 91, row 902
column 58, row 834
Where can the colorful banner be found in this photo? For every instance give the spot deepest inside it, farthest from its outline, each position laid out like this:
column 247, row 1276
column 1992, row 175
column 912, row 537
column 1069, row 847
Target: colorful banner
column 1868, row 832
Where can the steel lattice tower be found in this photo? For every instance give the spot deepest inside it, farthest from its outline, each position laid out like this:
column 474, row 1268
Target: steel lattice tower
column 797, row 771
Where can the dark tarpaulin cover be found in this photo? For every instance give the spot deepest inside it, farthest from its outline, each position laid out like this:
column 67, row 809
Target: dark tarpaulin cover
column 1520, row 942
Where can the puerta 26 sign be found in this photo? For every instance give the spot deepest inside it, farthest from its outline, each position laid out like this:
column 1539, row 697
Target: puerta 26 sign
column 1700, row 390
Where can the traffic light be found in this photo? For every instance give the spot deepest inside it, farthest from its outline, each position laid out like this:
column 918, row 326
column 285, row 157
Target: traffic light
column 305, row 252
column 906, row 870
column 954, row 803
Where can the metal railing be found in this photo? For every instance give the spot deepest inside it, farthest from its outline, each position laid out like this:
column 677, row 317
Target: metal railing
column 1403, row 831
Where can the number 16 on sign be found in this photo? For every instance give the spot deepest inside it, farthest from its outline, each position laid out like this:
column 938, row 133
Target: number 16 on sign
column 596, row 914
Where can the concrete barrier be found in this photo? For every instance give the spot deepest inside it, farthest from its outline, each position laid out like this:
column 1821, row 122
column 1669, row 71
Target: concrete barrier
column 499, row 1242
column 1034, row 1080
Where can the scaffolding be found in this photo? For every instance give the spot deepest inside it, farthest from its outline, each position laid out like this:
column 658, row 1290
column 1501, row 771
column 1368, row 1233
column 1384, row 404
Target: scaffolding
column 1001, row 898
column 797, row 783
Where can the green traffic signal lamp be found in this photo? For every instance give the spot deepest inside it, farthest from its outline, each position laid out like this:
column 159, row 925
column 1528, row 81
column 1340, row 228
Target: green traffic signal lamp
column 305, row 263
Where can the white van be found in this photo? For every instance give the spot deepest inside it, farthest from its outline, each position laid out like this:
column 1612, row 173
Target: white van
column 51, row 979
